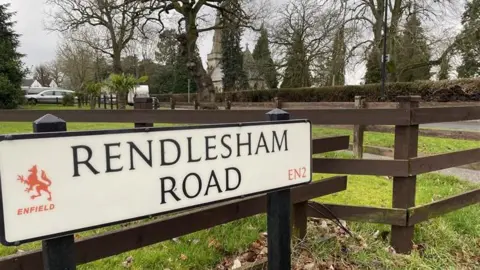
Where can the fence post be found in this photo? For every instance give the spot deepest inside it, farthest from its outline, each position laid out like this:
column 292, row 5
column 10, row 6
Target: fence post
column 58, row 253
column 196, row 104
column 358, row 130
column 278, row 217
column 300, row 219
column 142, row 104
column 404, row 188
column 172, row 103
column 278, row 102
column 111, row 101
column 228, row 105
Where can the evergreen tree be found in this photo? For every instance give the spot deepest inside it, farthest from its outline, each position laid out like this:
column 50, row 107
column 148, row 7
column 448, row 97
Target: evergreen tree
column 234, row 77
column 374, row 71
column 11, row 67
column 297, row 72
column 337, row 62
column 263, row 58
column 172, row 75
column 469, row 48
column 444, row 69
column 413, row 50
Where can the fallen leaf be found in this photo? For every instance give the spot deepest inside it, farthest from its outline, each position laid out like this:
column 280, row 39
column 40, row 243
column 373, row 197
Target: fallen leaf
column 214, row 243
column 128, row 262
column 236, row 264
column 309, row 266
column 249, row 256
column 183, row 257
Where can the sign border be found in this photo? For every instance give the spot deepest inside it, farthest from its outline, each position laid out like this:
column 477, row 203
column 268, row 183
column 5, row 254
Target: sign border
column 9, row 137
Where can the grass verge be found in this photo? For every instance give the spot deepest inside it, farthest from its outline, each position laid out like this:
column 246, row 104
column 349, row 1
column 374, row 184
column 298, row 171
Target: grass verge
column 426, row 145
column 451, row 241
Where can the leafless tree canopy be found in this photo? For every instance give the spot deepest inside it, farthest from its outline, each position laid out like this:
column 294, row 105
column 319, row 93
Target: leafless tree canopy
column 104, row 25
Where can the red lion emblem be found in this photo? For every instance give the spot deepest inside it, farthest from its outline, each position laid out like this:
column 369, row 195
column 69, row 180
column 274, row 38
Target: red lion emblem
column 32, row 181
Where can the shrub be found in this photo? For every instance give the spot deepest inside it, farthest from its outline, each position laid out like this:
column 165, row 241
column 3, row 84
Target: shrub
column 10, row 95
column 443, row 91
column 68, row 100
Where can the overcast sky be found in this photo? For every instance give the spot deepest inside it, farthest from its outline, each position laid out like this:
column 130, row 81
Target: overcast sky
column 39, row 45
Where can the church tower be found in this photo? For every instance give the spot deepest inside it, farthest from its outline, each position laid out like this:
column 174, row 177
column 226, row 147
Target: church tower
column 215, row 56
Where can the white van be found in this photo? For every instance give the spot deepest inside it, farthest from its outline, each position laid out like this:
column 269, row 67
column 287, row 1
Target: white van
column 138, row 91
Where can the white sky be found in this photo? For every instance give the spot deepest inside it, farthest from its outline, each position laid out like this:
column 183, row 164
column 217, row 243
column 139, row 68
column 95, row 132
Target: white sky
column 40, row 45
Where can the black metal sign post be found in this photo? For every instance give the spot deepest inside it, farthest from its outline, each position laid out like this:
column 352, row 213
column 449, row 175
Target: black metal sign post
column 57, row 253
column 278, row 217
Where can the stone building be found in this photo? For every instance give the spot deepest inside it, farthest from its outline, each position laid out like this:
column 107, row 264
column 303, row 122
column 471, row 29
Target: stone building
column 214, row 65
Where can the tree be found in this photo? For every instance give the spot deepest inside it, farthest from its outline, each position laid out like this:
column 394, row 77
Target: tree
column 93, row 90
column 264, row 60
column 370, row 15
column 106, row 26
column 190, row 13
column 234, row 77
column 373, row 73
column 121, row 84
column 302, row 38
column 443, row 73
column 130, row 65
column 172, row 74
column 469, row 48
column 413, row 50
column 11, row 66
column 42, row 75
column 297, row 72
column 76, row 62
column 337, row 60
column 167, row 47
column 55, row 72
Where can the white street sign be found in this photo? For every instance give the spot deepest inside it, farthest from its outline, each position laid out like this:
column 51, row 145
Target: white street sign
column 59, row 183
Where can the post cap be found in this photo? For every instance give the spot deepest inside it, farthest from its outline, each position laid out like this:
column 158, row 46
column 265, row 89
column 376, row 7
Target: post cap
column 278, row 115
column 49, row 123
column 49, row 118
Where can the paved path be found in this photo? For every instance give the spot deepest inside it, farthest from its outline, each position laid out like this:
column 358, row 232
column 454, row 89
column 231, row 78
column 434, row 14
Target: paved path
column 466, row 126
column 465, row 174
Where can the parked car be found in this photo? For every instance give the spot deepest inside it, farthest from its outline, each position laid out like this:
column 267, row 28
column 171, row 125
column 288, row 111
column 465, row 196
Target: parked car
column 51, row 96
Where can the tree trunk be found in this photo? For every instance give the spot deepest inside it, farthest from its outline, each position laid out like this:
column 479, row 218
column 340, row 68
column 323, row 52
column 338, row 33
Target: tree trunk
column 92, row 102
column 117, row 68
column 188, row 45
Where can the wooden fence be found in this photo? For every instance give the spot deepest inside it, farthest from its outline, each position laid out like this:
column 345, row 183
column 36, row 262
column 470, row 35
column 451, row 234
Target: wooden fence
column 402, row 216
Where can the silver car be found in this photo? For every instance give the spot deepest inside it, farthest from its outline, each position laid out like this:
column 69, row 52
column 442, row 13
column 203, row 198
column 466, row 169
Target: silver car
column 51, row 96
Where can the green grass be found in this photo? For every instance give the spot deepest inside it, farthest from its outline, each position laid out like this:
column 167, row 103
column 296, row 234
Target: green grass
column 452, row 241
column 53, row 107
column 426, row 145
column 61, row 107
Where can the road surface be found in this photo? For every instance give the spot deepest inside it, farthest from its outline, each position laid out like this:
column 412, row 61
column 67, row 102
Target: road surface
column 465, row 126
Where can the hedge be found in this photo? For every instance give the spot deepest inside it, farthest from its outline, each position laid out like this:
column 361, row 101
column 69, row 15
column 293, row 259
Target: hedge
column 440, row 91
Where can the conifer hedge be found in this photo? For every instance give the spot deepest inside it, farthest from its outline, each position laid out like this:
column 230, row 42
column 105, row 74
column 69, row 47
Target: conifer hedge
column 440, row 91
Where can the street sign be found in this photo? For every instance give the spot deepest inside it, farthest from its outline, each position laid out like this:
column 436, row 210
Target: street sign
column 55, row 184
